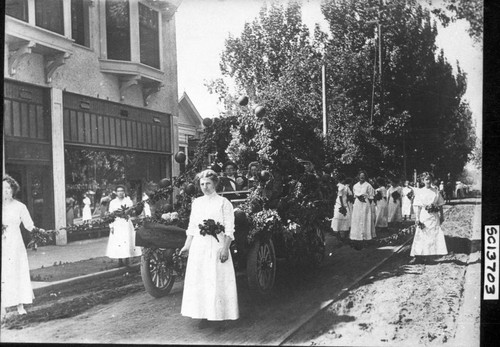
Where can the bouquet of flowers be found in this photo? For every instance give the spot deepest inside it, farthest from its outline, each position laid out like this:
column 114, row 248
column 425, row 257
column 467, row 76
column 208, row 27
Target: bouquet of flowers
column 343, row 210
column 350, row 198
column 410, row 194
column 378, row 196
column 40, row 237
column 432, row 208
column 210, row 227
column 361, row 198
column 421, row 225
column 395, row 195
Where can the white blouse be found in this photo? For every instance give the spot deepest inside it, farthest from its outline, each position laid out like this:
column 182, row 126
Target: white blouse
column 213, row 207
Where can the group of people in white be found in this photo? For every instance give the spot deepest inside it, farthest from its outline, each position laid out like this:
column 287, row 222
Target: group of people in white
column 374, row 209
column 210, row 292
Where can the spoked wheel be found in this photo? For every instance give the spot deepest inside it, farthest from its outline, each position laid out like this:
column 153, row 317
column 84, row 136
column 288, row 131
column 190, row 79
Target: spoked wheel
column 318, row 247
column 157, row 271
column 261, row 266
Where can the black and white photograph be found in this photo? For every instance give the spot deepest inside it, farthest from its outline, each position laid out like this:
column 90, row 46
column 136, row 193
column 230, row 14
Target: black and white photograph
column 246, row 172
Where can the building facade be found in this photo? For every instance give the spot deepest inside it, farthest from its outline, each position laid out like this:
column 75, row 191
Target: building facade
column 90, row 101
column 190, row 127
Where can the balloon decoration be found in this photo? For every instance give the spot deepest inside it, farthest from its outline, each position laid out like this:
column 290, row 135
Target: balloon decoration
column 216, row 167
column 260, row 111
column 243, row 100
column 190, row 189
column 180, row 157
column 164, row 183
column 264, row 175
column 207, row 122
column 167, row 208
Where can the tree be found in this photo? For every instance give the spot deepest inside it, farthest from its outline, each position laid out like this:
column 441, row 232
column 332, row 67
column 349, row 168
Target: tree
column 418, row 114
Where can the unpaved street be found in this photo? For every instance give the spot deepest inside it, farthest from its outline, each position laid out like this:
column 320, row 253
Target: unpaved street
column 395, row 306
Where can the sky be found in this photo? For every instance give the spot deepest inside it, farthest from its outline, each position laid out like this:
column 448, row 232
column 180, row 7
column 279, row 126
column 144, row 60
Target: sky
column 202, row 27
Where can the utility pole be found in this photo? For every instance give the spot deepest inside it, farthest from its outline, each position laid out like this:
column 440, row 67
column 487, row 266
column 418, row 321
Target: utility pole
column 323, row 85
column 380, row 8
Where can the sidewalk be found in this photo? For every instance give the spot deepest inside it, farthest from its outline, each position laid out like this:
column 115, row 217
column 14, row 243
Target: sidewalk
column 70, row 253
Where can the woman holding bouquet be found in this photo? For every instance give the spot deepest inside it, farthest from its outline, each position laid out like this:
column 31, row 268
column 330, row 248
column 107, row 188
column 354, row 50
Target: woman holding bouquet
column 341, row 221
column 381, row 204
column 210, row 282
column 394, row 194
column 429, row 237
column 121, row 242
column 16, row 282
column 362, row 222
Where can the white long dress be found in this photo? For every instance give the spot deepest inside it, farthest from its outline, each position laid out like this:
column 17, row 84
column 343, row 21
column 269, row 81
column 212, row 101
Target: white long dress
column 210, row 285
column 406, row 202
column 430, row 240
column 394, row 207
column 339, row 221
column 363, row 221
column 16, row 284
column 381, row 209
column 121, row 243
column 86, row 213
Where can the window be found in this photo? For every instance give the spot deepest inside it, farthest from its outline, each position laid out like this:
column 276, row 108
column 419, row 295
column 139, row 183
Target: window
column 80, row 22
column 49, row 15
column 17, row 9
column 149, row 36
column 118, row 29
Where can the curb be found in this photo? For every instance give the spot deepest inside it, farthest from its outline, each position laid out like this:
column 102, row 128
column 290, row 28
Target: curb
column 55, row 286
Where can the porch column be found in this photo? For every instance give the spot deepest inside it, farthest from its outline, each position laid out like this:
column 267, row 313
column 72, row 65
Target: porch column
column 58, row 176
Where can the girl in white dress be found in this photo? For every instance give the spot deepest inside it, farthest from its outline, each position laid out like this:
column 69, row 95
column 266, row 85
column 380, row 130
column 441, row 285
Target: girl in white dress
column 429, row 237
column 121, row 242
column 16, row 283
column 341, row 222
column 406, row 203
column 362, row 222
column 394, row 205
column 210, row 282
column 86, row 213
column 381, row 205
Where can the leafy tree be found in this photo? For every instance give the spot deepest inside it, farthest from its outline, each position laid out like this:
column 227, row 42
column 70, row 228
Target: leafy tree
column 417, row 114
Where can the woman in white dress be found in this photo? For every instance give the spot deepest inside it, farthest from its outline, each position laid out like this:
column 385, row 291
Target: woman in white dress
column 394, row 194
column 381, row 205
column 341, row 221
column 406, row 203
column 121, row 242
column 86, row 213
column 16, row 283
column 210, row 282
column 362, row 221
column 429, row 237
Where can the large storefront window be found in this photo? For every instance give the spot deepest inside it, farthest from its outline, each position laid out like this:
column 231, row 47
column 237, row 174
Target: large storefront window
column 94, row 173
column 17, row 9
column 80, row 22
column 49, row 15
column 118, row 29
column 149, row 36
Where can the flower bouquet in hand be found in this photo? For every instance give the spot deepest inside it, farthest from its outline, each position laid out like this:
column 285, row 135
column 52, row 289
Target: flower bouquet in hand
column 210, row 227
column 350, row 198
column 361, row 198
column 421, row 225
column 41, row 237
column 395, row 196
column 377, row 197
column 432, row 208
column 410, row 195
column 343, row 210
